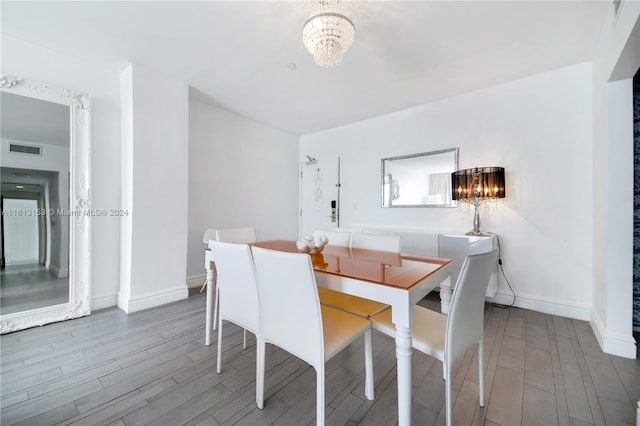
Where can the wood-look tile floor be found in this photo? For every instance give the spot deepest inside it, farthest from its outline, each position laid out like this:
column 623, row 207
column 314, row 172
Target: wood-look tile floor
column 152, row 367
column 25, row 287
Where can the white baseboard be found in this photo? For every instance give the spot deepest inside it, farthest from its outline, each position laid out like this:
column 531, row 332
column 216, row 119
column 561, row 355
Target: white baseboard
column 612, row 343
column 544, row 305
column 195, row 281
column 104, row 302
column 22, row 262
column 153, row 299
column 59, row 273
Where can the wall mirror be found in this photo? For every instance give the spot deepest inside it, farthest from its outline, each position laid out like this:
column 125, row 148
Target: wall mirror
column 419, row 180
column 45, row 265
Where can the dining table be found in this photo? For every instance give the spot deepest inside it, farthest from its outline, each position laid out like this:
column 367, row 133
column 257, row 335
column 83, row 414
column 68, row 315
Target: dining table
column 395, row 279
column 390, row 278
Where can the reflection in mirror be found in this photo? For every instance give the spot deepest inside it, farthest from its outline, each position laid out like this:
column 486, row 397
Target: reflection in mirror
column 419, row 180
column 44, row 171
column 35, row 245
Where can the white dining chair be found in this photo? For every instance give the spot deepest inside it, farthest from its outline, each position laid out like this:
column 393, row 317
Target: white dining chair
column 357, row 305
column 380, row 242
column 209, row 280
column 336, row 238
column 292, row 318
column 237, row 289
column 236, row 235
column 231, row 235
column 209, row 234
column 448, row 337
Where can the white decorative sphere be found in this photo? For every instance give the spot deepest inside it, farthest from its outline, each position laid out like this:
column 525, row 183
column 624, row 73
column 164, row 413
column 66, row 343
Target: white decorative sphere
column 311, row 244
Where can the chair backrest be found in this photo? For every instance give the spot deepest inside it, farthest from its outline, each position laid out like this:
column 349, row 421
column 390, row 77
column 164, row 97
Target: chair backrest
column 237, row 284
column 375, row 231
column 236, row 235
column 376, row 242
column 289, row 305
column 465, row 323
column 336, row 238
column 209, row 234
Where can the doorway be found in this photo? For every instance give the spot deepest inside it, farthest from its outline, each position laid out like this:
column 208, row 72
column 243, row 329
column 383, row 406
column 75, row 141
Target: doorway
column 20, row 233
column 319, row 195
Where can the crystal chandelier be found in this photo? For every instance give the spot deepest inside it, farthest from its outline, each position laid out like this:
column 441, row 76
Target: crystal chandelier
column 328, row 33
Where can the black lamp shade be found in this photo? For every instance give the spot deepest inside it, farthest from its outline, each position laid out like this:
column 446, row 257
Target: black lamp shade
column 480, row 182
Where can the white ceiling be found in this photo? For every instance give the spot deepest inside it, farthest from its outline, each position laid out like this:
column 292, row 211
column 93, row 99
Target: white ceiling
column 236, row 54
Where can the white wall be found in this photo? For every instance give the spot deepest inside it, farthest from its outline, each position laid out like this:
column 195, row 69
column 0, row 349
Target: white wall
column 155, row 135
column 241, row 173
column 553, row 226
column 540, row 130
column 268, row 198
column 616, row 61
column 101, row 81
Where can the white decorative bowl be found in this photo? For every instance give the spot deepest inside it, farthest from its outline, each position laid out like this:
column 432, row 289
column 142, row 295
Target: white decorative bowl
column 312, row 245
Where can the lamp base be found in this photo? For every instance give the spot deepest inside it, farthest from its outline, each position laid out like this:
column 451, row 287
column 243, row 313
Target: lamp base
column 476, row 218
column 478, row 233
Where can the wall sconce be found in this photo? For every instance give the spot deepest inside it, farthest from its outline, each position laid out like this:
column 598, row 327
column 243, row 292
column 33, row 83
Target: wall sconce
column 477, row 186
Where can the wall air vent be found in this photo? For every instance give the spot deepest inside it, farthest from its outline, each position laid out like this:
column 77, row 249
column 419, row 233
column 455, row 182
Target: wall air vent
column 25, row 149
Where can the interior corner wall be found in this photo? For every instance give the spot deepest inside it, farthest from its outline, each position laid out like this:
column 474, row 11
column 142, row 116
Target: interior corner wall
column 155, row 134
column 539, row 129
column 241, row 173
column 100, row 80
column 616, row 61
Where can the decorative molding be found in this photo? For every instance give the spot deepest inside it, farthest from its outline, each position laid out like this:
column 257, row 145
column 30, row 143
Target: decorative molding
column 7, row 81
column 81, row 100
column 79, row 303
column 39, row 90
column 615, row 5
column 82, row 203
column 42, row 316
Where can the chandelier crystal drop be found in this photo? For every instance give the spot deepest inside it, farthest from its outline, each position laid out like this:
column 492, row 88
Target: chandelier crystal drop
column 328, row 33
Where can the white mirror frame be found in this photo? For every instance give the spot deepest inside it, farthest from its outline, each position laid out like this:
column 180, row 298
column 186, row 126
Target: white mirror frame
column 80, row 210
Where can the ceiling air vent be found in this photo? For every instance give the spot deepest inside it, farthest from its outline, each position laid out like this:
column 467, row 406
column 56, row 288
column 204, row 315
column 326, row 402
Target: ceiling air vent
column 25, row 149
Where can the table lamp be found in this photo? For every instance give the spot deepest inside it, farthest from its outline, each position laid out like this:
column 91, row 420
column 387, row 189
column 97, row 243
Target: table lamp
column 477, row 186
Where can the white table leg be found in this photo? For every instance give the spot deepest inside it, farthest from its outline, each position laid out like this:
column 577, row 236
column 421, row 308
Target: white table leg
column 209, row 319
column 403, row 357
